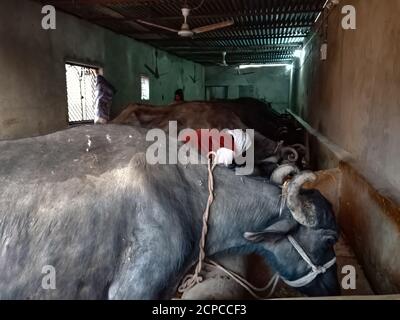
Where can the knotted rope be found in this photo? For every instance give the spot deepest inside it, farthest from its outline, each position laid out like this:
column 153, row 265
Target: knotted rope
column 192, row 279
column 247, row 285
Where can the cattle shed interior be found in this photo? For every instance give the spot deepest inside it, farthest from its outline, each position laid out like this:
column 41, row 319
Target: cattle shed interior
column 328, row 67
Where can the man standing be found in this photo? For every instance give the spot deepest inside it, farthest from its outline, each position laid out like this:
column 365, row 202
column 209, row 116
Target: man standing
column 179, row 97
column 104, row 96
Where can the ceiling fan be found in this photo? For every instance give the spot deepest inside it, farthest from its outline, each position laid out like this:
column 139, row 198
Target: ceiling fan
column 223, row 64
column 238, row 71
column 185, row 30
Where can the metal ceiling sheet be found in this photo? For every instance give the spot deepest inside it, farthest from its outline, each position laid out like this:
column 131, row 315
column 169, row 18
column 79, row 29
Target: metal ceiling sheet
column 265, row 31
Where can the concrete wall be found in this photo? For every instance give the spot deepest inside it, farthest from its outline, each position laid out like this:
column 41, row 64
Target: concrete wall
column 270, row 84
column 353, row 98
column 371, row 223
column 352, row 103
column 32, row 72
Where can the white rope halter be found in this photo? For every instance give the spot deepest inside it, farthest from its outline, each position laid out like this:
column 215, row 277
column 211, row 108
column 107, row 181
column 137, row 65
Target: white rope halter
column 301, row 282
column 315, row 270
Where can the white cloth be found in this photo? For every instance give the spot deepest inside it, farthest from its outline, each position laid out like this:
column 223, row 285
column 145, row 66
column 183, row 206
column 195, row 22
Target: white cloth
column 241, row 140
column 99, row 120
column 224, row 156
column 242, row 143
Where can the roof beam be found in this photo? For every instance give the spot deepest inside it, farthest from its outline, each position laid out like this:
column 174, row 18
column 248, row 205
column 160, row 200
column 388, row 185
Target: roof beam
column 243, row 28
column 210, row 16
column 169, row 42
column 236, row 52
column 237, row 62
column 233, row 49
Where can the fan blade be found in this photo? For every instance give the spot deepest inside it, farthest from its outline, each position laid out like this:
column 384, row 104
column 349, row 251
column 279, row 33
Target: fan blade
column 215, row 26
column 157, row 26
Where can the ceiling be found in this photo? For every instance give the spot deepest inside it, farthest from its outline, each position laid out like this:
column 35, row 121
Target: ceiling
column 265, row 31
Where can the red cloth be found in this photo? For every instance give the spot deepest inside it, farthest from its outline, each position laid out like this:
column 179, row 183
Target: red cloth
column 216, row 140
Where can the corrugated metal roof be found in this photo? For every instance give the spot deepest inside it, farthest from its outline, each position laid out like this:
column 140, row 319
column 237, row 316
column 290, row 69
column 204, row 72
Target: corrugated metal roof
column 264, row 30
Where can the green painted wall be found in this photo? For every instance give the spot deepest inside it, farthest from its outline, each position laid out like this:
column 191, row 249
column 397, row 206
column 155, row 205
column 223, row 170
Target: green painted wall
column 33, row 97
column 125, row 60
column 270, row 84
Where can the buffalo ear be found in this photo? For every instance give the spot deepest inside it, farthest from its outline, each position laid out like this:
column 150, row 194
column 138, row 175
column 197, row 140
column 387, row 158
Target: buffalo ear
column 274, row 232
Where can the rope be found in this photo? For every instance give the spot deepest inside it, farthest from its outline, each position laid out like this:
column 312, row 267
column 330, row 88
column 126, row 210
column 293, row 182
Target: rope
column 192, row 279
column 315, row 270
column 278, row 145
column 245, row 284
column 283, row 196
column 199, row 6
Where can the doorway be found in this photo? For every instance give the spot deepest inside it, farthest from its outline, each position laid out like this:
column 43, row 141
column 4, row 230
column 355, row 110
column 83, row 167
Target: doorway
column 216, row 93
